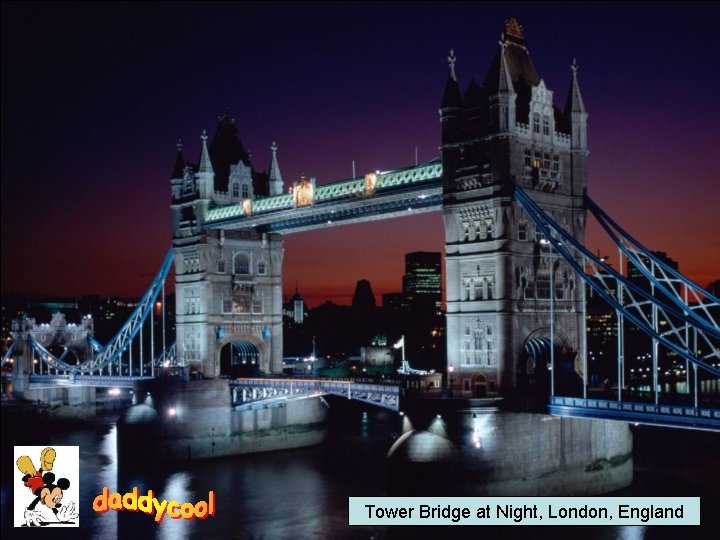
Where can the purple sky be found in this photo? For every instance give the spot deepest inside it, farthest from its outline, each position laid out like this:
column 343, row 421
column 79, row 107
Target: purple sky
column 95, row 95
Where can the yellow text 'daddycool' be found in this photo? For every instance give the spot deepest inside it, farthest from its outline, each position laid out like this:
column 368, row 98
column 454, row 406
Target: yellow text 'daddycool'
column 151, row 505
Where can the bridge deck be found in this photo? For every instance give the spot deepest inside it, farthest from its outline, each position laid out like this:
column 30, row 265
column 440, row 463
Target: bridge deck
column 249, row 391
column 642, row 413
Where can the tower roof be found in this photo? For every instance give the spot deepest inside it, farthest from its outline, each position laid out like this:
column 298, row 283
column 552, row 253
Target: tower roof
column 513, row 61
column 226, row 149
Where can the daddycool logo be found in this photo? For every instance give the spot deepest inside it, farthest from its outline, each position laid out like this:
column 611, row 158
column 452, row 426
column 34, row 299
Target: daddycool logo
column 149, row 505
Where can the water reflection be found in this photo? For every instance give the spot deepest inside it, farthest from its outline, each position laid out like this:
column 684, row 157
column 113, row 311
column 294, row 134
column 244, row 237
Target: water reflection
column 304, row 493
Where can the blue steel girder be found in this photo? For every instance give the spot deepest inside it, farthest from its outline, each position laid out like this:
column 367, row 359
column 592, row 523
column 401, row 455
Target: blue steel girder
column 666, row 279
column 575, row 253
column 122, row 339
column 8, row 354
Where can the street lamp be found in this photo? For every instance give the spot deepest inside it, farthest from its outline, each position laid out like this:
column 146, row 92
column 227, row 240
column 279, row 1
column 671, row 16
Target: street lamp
column 450, row 372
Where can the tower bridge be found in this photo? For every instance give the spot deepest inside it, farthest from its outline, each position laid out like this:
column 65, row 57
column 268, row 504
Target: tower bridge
column 511, row 182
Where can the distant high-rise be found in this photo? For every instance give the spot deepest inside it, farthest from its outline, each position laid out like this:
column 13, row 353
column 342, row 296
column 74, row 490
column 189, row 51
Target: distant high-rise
column 363, row 299
column 422, row 282
column 637, row 277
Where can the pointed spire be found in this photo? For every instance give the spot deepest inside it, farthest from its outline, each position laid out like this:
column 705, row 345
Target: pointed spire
column 574, row 103
column 179, row 161
column 451, row 97
column 451, row 62
column 275, row 177
column 505, row 83
column 205, row 163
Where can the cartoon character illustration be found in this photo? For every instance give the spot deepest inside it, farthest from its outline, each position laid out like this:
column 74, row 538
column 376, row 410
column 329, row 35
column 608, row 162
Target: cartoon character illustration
column 42, row 485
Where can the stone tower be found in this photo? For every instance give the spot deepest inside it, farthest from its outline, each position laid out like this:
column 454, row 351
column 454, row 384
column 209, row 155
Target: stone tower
column 502, row 133
column 228, row 284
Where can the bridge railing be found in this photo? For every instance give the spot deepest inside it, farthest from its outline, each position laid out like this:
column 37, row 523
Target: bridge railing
column 649, row 413
column 245, row 392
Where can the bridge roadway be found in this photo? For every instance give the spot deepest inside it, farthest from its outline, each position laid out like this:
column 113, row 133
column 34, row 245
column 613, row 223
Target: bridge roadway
column 677, row 416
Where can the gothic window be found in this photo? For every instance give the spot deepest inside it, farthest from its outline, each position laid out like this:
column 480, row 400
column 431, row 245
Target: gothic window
column 221, row 266
column 528, row 158
column 536, row 123
column 241, row 264
column 490, row 287
column 489, row 229
column 261, row 268
column 242, row 303
column 546, row 161
column 236, row 190
column 546, row 124
column 464, row 231
column 245, row 191
column 468, row 289
column 478, row 338
column 479, row 289
column 556, row 163
column 522, row 231
column 227, row 305
column 257, row 305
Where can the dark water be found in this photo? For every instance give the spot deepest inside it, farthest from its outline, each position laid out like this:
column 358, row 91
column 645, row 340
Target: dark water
column 304, row 493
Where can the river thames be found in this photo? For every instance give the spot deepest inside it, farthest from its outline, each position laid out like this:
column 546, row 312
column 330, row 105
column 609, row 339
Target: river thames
column 304, row 493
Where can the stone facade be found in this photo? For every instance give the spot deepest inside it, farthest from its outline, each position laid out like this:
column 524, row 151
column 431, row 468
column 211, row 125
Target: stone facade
column 504, row 133
column 228, row 283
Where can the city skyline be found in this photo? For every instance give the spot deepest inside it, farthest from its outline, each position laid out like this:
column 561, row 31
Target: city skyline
column 94, row 99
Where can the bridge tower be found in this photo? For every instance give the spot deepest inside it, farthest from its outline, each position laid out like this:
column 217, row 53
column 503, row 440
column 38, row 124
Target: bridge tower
column 228, row 283
column 57, row 335
column 499, row 269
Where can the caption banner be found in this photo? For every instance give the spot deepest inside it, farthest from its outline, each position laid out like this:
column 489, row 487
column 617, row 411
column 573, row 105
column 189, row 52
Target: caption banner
column 524, row 511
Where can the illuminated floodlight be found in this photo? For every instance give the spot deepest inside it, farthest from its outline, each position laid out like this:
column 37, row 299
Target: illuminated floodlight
column 114, row 391
column 172, row 411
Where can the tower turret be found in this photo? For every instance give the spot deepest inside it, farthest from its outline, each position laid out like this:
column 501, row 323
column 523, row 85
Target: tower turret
column 575, row 111
column 205, row 175
column 502, row 103
column 276, row 181
column 451, row 105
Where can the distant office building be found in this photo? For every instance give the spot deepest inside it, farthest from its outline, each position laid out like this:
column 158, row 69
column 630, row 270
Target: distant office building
column 638, row 278
column 422, row 282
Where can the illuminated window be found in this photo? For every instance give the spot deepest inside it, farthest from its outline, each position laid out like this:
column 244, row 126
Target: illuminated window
column 241, row 264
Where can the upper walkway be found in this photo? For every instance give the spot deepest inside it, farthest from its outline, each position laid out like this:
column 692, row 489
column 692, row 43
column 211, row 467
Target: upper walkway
column 376, row 196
